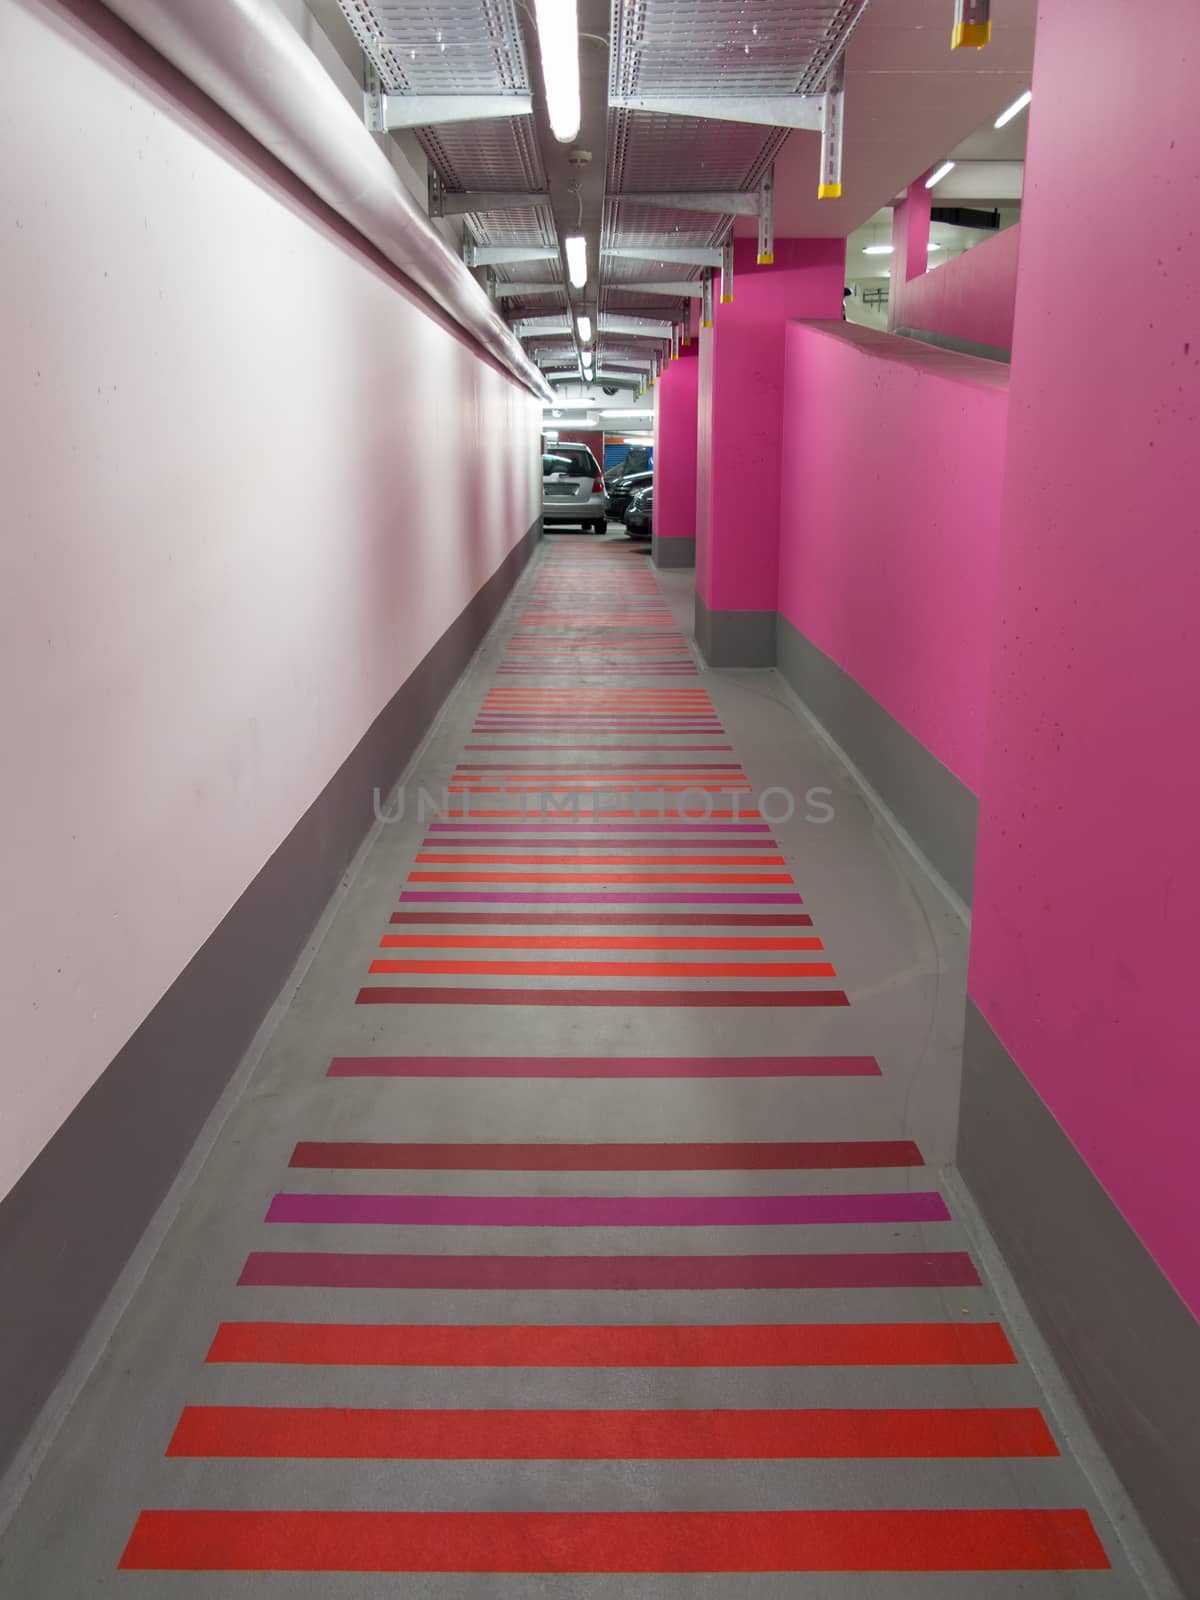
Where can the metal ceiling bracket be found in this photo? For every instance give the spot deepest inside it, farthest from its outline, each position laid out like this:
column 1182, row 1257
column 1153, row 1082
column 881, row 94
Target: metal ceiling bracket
column 724, row 203
column 727, row 274
column 677, row 254
column 706, row 303
column 462, row 203
column 833, row 105
column 504, row 255
column 685, row 288
column 972, row 24
column 531, row 327
column 638, row 327
column 766, row 219
column 764, row 111
column 513, row 291
column 387, row 113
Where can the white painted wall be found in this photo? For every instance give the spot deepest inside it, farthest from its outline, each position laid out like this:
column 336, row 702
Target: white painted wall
column 247, row 484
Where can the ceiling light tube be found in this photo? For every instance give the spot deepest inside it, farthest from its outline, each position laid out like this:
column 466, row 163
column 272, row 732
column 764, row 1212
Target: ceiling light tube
column 558, row 38
column 584, row 324
column 878, row 249
column 1014, row 110
column 940, row 172
column 577, row 263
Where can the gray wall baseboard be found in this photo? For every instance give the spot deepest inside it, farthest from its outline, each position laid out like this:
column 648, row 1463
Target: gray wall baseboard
column 1127, row 1344
column 735, row 638
column 935, row 808
column 76, row 1215
column 668, row 553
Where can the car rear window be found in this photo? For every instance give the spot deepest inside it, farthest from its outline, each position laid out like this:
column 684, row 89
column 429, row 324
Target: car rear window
column 575, row 460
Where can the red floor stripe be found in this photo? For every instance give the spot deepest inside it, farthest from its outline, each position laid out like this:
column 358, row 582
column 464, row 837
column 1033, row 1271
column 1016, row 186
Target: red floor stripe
column 610, row 919
column 332, row 1433
column 604, row 1067
column 856, row 1344
column 684, row 999
column 617, row 1542
column 618, row 878
column 612, row 941
column 603, row 969
column 811, row 1156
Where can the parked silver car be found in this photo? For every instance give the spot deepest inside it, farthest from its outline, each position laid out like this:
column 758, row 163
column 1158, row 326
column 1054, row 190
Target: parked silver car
column 572, row 488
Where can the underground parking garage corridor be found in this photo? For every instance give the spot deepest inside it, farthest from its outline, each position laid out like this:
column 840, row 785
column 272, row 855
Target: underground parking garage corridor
column 647, row 1062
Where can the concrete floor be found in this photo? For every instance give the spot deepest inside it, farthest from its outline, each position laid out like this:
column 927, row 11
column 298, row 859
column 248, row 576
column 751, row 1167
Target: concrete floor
column 899, row 957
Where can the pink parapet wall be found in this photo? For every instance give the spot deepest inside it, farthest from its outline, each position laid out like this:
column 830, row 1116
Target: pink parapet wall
column 1084, row 944
column 740, row 414
column 969, row 298
column 893, row 458
column 675, row 447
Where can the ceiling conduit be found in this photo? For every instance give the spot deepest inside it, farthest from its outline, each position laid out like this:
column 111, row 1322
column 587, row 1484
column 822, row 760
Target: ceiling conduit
column 244, row 55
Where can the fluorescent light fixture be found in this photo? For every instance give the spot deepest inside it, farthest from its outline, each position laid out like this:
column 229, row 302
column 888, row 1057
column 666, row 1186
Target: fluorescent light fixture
column 558, row 37
column 878, row 249
column 1014, row 110
column 577, row 266
column 933, row 245
column 939, row 174
column 584, row 324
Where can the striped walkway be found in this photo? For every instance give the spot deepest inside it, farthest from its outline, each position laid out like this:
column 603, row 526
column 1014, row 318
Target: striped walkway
column 569, row 1241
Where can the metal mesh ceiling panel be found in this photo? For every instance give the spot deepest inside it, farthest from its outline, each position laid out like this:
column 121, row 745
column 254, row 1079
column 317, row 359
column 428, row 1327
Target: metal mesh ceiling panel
column 442, row 46
column 502, row 154
column 727, row 47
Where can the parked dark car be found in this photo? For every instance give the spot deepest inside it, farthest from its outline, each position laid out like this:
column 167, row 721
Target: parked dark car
column 623, row 492
column 639, row 519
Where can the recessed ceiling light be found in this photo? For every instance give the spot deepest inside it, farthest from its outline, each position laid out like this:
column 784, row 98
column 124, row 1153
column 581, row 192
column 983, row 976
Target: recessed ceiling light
column 939, row 174
column 1014, row 110
column 558, row 38
column 933, row 245
column 878, row 249
column 584, row 324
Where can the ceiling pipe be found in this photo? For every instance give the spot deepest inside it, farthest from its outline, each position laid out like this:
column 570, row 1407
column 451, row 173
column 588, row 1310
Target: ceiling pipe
column 244, row 55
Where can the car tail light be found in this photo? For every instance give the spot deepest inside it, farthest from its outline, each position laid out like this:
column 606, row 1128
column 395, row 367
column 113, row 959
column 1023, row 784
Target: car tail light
column 598, row 486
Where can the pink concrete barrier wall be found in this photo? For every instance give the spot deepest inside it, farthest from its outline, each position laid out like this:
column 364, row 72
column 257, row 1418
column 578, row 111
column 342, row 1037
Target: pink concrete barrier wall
column 969, row 298
column 893, row 457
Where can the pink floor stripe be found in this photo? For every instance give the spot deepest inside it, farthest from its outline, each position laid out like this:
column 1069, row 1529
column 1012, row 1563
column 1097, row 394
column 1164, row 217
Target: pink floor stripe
column 605, row 899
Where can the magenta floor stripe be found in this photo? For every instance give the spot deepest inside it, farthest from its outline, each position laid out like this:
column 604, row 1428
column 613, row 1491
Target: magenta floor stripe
column 565, row 749
column 607, row 1211
column 606, row 899
column 604, row 1067
column 582, row 830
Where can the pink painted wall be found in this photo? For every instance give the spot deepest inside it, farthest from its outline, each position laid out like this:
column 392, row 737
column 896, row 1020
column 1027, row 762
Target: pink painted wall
column 675, row 436
column 1084, row 947
column 248, row 483
column 741, row 407
column 970, row 297
column 890, row 515
column 910, row 237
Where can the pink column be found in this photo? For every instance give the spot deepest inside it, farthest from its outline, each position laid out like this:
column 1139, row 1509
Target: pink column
column 740, row 433
column 1081, row 1099
column 675, row 461
column 910, row 237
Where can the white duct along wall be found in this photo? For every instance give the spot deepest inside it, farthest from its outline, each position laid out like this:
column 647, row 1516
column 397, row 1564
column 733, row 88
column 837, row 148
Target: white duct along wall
column 244, row 55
